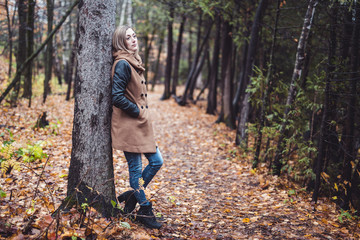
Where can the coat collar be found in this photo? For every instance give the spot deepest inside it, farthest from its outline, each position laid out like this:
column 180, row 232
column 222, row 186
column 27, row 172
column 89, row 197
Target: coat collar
column 133, row 59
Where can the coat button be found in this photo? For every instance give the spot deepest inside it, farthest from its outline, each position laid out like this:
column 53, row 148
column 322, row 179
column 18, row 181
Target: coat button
column 145, row 94
column 142, row 107
column 142, row 95
column 142, row 82
column 147, row 107
column 145, row 82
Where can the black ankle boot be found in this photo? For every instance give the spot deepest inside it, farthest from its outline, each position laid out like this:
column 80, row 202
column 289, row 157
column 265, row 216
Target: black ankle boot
column 146, row 216
column 130, row 201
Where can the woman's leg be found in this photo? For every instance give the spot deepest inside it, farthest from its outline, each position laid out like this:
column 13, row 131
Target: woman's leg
column 155, row 163
column 135, row 168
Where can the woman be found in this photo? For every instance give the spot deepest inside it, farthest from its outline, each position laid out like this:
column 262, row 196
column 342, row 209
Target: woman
column 131, row 128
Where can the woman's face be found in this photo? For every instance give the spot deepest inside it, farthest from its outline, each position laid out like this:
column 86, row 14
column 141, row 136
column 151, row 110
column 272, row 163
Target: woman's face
column 131, row 40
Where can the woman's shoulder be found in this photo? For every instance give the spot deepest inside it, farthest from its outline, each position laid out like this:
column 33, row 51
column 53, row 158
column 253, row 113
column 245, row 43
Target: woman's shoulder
column 122, row 65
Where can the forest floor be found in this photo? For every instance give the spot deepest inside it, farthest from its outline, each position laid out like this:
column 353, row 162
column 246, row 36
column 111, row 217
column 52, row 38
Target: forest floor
column 206, row 188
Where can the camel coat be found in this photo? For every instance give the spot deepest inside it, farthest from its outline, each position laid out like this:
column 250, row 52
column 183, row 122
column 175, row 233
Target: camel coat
column 131, row 126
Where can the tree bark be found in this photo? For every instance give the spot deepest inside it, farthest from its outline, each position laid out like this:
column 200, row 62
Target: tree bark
column 156, row 71
column 29, row 49
column 325, row 124
column 10, row 36
column 21, row 49
column 49, row 49
column 213, row 77
column 168, row 69
column 265, row 97
column 91, row 173
column 299, row 64
column 72, row 62
column 349, row 139
column 177, row 56
column 226, row 73
column 248, row 71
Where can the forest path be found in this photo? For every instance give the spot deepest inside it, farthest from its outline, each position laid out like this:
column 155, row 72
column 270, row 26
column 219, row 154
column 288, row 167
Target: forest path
column 205, row 189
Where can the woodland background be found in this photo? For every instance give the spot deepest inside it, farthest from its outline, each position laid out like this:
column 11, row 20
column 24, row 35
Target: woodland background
column 282, row 74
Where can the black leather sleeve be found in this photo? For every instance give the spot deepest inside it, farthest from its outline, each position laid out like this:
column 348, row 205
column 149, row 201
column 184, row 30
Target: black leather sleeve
column 122, row 76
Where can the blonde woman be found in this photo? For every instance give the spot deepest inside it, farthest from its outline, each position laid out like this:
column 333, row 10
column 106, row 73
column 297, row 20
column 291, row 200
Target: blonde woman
column 131, row 127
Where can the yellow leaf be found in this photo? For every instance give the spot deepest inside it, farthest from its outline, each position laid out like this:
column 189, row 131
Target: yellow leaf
column 246, row 220
column 334, row 197
column 227, row 210
column 335, row 225
column 324, row 220
column 336, row 187
column 253, row 171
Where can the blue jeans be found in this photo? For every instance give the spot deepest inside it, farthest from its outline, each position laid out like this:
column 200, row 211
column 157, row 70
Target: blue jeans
column 136, row 173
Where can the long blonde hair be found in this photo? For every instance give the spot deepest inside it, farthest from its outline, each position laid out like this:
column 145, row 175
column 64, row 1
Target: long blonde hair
column 118, row 40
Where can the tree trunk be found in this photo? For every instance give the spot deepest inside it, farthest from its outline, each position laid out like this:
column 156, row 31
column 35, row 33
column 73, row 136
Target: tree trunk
column 49, row 50
column 70, row 66
column 265, row 97
column 58, row 67
column 156, row 71
column 122, row 14
column 226, row 73
column 299, row 64
column 177, row 56
column 248, row 71
column 91, row 173
column 349, row 139
column 148, row 47
column 213, row 76
column 168, row 68
column 325, row 124
column 129, row 13
column 30, row 49
column 21, row 49
column 10, row 36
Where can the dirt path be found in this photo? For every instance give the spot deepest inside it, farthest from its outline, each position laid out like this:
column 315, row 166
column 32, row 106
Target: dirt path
column 205, row 190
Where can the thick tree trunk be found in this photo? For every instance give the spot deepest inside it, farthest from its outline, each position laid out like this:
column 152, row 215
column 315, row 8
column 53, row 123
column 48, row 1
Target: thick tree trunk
column 265, row 97
column 213, row 76
column 21, row 49
column 177, row 56
column 226, row 73
column 325, row 124
column 169, row 57
column 299, row 64
column 91, row 173
column 49, row 50
column 29, row 50
column 248, row 71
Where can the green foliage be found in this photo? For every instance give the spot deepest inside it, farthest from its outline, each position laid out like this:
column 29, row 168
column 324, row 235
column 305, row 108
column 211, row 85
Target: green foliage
column 347, row 215
column 2, row 193
column 33, row 152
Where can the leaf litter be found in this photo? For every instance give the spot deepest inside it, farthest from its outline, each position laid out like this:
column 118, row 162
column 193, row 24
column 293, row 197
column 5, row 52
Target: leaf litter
column 206, row 188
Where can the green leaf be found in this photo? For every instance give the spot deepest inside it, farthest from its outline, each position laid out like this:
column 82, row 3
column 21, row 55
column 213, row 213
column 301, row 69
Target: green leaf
column 291, row 192
column 113, row 203
column 125, row 225
column 2, row 194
